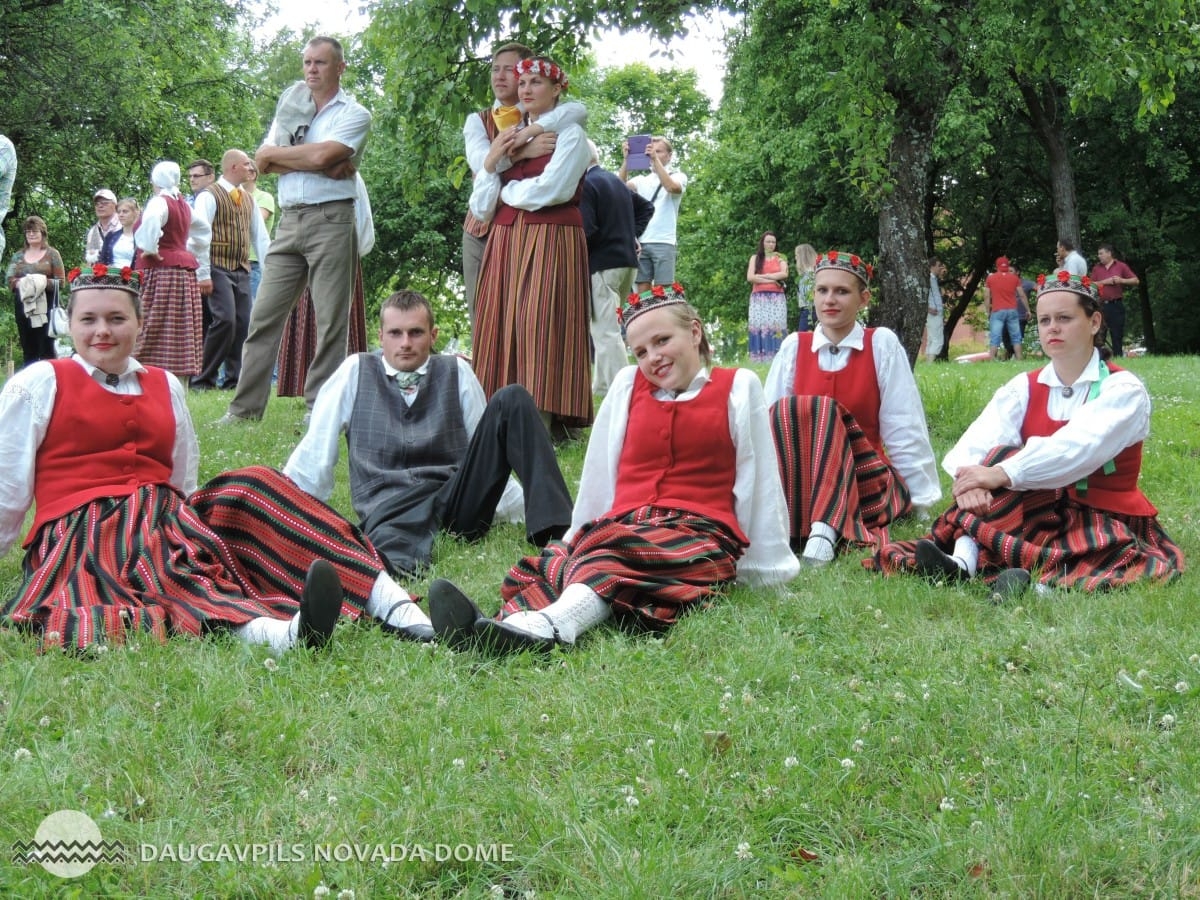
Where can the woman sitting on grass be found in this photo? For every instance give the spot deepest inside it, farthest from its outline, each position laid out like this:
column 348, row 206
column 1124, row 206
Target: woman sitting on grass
column 849, row 427
column 679, row 495
column 104, row 447
column 1046, row 478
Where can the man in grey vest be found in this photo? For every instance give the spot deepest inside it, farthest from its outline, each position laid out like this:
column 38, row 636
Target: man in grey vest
column 427, row 452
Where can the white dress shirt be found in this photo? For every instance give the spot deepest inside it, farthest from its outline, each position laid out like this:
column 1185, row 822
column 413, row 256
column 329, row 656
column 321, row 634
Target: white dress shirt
column 758, row 499
column 26, row 403
column 312, row 463
column 557, row 183
column 477, row 144
column 1094, row 433
column 902, row 425
column 204, row 210
column 343, row 120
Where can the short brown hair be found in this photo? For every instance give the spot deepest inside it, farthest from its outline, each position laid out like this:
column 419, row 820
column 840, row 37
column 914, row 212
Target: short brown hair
column 405, row 301
column 36, row 222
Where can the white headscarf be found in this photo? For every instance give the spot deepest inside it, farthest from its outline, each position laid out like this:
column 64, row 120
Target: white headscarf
column 165, row 178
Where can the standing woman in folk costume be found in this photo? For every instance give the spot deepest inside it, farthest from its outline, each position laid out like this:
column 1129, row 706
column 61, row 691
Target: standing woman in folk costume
column 662, row 520
column 854, row 450
column 1045, row 480
column 104, row 449
column 172, row 335
column 532, row 304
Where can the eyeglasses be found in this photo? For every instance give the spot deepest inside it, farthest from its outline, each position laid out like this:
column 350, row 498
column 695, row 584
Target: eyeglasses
column 192, row 176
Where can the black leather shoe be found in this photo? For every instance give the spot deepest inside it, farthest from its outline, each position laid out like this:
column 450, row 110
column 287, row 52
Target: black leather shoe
column 453, row 614
column 320, row 604
column 418, row 631
column 1009, row 585
column 502, row 639
column 933, row 563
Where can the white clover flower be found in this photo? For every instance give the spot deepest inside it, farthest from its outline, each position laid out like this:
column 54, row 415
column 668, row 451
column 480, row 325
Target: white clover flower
column 458, row 762
column 320, row 891
column 43, row 721
column 743, row 851
column 847, row 763
column 1181, row 687
column 302, row 794
column 649, row 742
column 946, row 804
column 22, row 753
column 682, row 773
column 545, row 717
column 631, row 801
column 1167, row 721
column 332, row 799
column 727, row 696
column 1194, row 659
column 857, row 746
column 496, row 891
column 791, row 762
column 346, row 894
column 269, row 664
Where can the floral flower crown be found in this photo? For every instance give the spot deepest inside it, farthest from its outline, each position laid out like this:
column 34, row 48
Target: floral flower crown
column 539, row 65
column 659, row 295
column 847, row 262
column 1062, row 280
column 102, row 276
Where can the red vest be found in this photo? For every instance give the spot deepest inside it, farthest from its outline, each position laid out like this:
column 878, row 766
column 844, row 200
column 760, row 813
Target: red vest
column 680, row 455
column 856, row 387
column 172, row 246
column 1117, row 492
column 563, row 214
column 101, row 444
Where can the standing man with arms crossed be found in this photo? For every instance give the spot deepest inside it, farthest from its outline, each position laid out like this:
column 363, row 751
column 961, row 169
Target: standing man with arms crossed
column 314, row 145
column 664, row 188
column 8, row 174
column 1112, row 276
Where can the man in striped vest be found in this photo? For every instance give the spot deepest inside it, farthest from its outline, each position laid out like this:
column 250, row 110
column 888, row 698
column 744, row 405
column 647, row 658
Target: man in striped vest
column 223, row 251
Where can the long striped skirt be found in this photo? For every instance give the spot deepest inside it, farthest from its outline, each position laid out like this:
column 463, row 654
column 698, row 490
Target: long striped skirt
column 1060, row 540
column 652, row 564
column 531, row 317
column 237, row 549
column 832, row 472
column 299, row 344
column 172, row 335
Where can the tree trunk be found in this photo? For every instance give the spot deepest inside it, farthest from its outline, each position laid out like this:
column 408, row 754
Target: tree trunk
column 903, row 266
column 1044, row 107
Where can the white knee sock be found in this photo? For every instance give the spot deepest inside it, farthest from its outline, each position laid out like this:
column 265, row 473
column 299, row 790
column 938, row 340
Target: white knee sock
column 278, row 634
column 382, row 604
column 966, row 551
column 576, row 610
column 820, row 549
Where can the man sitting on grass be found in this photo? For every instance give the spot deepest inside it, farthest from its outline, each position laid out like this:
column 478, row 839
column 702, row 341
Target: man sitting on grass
column 427, row 451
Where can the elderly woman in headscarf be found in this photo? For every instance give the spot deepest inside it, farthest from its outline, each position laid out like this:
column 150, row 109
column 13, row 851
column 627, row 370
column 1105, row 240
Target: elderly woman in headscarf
column 172, row 335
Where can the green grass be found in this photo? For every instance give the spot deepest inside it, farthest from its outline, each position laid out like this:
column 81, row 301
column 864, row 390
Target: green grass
column 915, row 739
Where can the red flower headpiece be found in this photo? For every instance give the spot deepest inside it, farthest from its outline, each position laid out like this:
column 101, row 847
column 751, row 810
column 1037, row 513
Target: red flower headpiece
column 847, row 262
column 1062, row 280
column 542, row 66
column 659, row 295
column 102, row 276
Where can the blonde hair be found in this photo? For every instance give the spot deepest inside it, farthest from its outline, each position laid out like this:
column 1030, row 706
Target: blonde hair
column 806, row 257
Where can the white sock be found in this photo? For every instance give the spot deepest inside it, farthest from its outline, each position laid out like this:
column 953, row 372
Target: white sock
column 382, row 604
column 278, row 634
column 818, row 548
column 966, row 554
column 576, row 610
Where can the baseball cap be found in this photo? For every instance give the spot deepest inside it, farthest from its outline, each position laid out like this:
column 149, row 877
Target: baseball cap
column 104, row 194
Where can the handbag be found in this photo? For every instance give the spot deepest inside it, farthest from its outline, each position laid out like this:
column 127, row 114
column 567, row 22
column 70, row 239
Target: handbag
column 56, row 313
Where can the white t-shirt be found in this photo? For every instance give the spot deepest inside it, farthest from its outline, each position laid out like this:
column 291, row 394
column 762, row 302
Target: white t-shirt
column 661, row 229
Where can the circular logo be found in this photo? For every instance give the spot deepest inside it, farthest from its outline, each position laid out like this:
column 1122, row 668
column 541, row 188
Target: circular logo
column 69, row 843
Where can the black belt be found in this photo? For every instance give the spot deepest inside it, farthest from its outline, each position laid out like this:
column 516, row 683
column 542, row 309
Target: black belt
column 300, row 206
